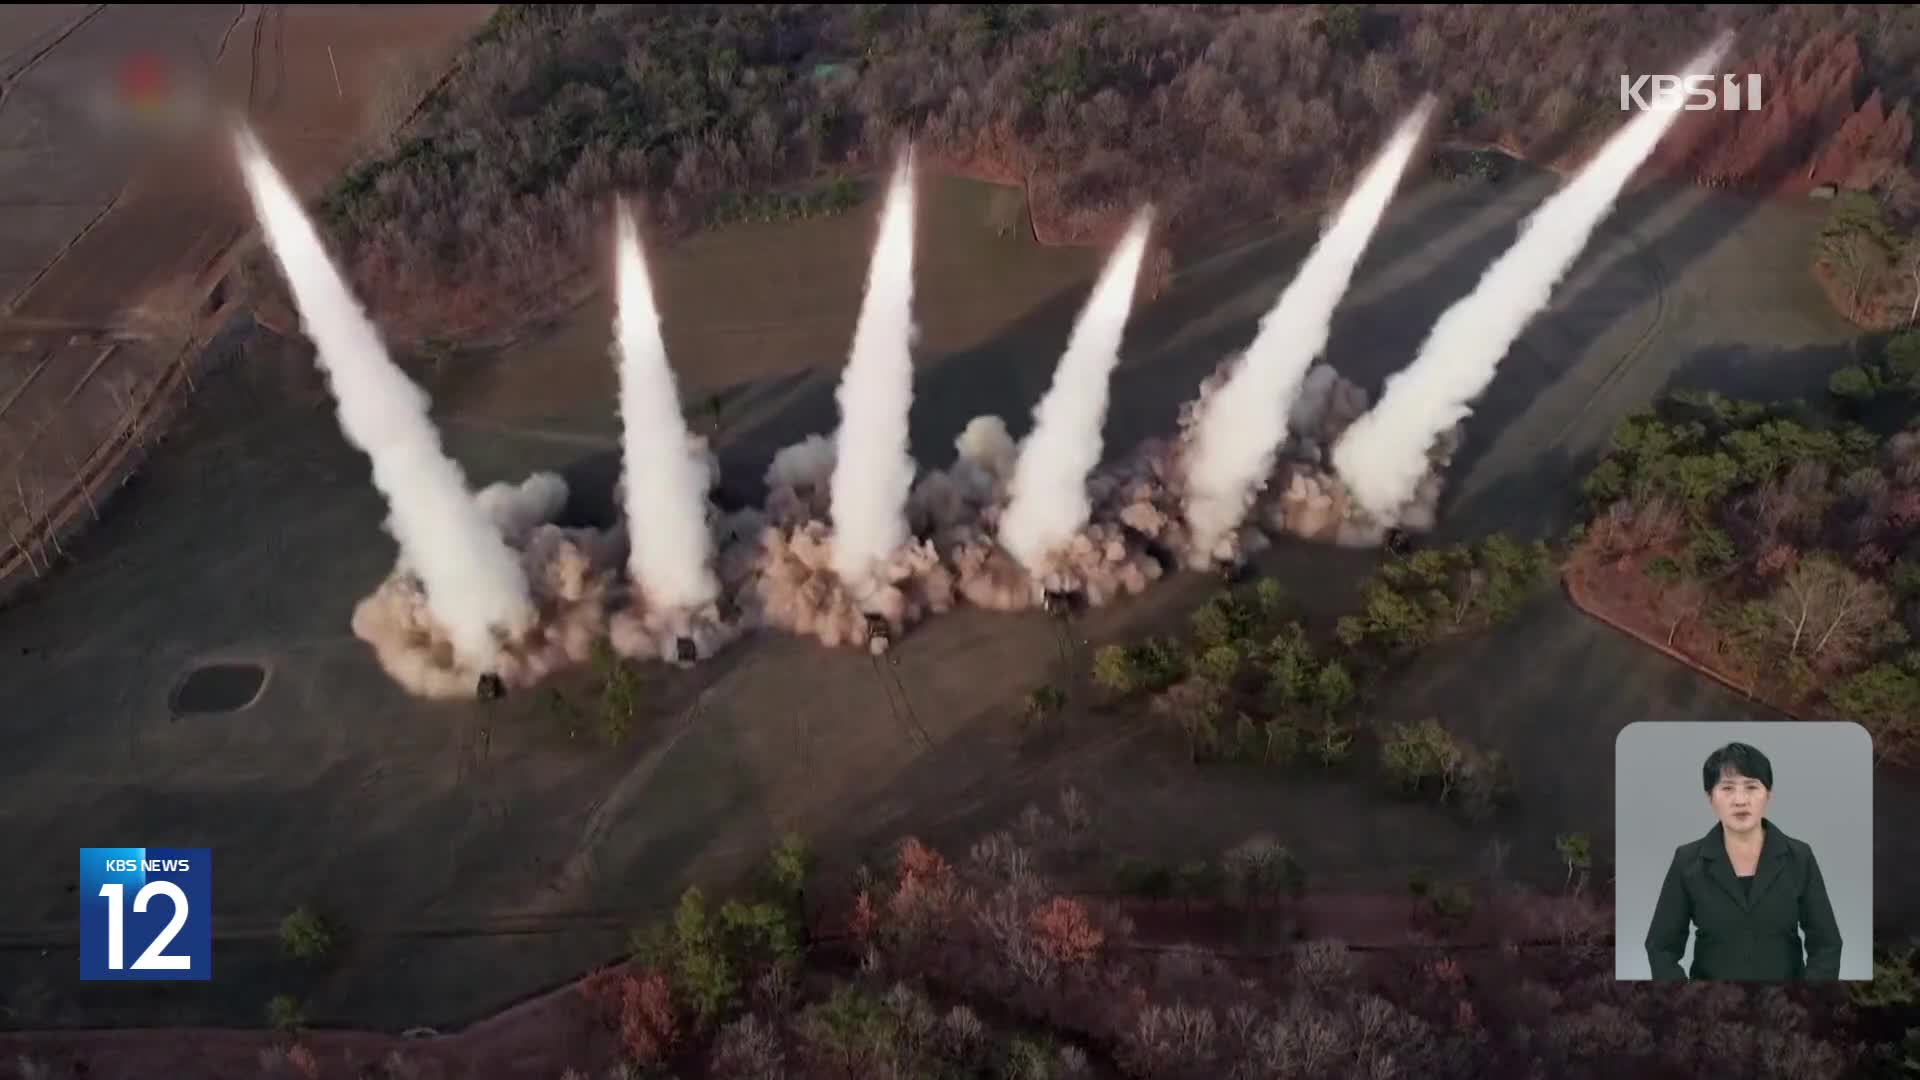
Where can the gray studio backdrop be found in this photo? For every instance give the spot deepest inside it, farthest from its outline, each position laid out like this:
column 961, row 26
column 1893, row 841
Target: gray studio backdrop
column 1822, row 793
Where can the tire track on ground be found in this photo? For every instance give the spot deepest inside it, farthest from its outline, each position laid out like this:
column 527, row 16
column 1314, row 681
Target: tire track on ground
column 1662, row 282
column 563, row 438
column 894, row 688
column 26, row 291
column 221, row 50
column 253, row 54
column 580, row 870
column 6, row 89
column 46, row 357
column 13, row 78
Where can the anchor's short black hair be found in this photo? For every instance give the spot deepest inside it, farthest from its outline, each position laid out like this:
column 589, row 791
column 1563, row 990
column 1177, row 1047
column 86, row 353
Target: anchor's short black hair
column 1736, row 759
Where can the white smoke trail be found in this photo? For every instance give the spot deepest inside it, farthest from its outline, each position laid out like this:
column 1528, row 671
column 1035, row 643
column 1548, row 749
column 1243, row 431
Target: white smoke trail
column 671, row 558
column 1384, row 454
column 1239, row 435
column 1049, row 487
column 774, row 562
column 874, row 468
column 473, row 582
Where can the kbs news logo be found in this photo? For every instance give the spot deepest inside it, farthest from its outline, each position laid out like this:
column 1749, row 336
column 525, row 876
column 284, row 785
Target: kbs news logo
column 1691, row 93
column 146, row 913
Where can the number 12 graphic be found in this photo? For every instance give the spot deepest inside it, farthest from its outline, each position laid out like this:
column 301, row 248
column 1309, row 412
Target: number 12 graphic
column 153, row 904
column 155, row 958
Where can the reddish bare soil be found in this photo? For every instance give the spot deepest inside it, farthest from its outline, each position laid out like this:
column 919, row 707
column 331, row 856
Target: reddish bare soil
column 1888, row 302
column 1624, row 598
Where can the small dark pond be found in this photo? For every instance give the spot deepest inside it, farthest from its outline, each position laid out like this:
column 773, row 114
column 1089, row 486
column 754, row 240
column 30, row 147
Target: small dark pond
column 219, row 688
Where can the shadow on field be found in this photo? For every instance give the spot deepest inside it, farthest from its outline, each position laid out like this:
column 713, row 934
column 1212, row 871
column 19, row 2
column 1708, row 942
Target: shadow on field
column 1760, row 373
column 1542, row 499
column 1546, row 499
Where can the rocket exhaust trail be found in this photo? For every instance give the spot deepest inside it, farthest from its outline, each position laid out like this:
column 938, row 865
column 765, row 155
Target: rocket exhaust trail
column 1242, row 429
column 1382, row 456
column 473, row 581
column 873, row 470
column 671, row 557
column 1049, row 485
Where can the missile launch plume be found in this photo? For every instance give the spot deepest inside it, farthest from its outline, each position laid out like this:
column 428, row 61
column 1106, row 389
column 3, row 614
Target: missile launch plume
column 873, row 470
column 774, row 561
column 473, row 582
column 671, row 555
column 1383, row 455
column 1240, row 432
column 1049, row 486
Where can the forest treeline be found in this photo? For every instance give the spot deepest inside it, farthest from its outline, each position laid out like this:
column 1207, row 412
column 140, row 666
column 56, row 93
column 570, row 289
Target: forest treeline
column 1779, row 543
column 1221, row 115
column 989, row 964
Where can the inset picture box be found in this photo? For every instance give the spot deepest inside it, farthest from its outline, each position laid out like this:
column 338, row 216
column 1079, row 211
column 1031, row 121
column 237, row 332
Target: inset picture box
column 1743, row 851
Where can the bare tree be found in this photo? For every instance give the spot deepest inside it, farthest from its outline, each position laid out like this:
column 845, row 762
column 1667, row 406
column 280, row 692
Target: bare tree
column 1557, row 108
column 1898, row 189
column 1856, row 254
column 1653, row 525
column 1684, row 600
column 1379, row 82
column 1775, row 504
column 1428, row 48
column 80, row 481
column 33, row 502
column 1910, row 269
column 14, row 537
column 1806, row 494
column 1823, row 610
column 1868, row 506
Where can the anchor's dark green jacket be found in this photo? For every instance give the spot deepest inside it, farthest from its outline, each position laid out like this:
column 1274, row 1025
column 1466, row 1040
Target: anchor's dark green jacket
column 1745, row 934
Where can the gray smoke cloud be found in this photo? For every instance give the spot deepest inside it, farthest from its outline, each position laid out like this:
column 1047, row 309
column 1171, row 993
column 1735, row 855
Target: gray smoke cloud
column 1385, row 453
column 573, row 580
column 775, row 562
column 1049, row 486
column 472, row 584
column 875, row 469
column 1241, row 431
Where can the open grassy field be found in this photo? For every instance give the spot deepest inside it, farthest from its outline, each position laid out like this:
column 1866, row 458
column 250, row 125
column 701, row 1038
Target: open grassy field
column 478, row 853
column 121, row 232
column 176, row 202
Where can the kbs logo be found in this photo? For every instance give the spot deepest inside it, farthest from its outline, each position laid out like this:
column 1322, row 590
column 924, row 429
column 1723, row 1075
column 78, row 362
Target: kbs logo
column 146, row 913
column 1696, row 91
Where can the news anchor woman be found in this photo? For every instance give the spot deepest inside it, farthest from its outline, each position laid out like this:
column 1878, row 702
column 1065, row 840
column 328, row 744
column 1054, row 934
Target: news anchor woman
column 1748, row 888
